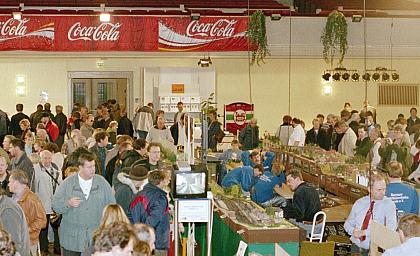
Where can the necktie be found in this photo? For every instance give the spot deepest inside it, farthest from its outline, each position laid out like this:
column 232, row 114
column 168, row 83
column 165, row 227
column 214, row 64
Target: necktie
column 367, row 219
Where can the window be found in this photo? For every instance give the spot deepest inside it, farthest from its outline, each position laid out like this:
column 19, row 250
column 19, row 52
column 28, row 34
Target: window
column 79, row 93
column 102, row 93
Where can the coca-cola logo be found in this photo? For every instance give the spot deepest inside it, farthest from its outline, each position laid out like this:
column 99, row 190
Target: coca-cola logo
column 13, row 28
column 220, row 28
column 103, row 32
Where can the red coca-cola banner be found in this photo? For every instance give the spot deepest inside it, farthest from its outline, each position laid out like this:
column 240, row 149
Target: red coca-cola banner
column 205, row 34
column 122, row 33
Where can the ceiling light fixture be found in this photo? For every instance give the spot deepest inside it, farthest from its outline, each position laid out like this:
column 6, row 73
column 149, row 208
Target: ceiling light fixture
column 356, row 18
column 275, row 16
column 385, row 77
column 345, row 76
column 376, row 76
column 326, row 76
column 355, row 77
column 395, row 77
column 195, row 16
column 105, row 17
column 17, row 15
column 336, row 76
column 205, row 62
column 366, row 77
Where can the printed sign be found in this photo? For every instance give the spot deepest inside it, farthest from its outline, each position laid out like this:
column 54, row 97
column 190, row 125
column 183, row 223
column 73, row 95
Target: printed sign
column 237, row 115
column 123, row 33
column 178, row 88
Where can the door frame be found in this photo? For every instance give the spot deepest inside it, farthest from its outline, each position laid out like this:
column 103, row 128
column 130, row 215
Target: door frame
column 100, row 75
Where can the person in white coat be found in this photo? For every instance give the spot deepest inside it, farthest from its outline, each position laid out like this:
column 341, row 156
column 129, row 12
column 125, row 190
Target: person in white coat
column 47, row 178
column 348, row 142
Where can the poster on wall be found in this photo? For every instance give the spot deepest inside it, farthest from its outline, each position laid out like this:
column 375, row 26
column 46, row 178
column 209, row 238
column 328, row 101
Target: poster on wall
column 122, row 33
column 237, row 115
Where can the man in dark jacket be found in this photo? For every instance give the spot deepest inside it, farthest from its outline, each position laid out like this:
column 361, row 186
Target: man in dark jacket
column 249, row 135
column 100, row 151
column 151, row 207
column 14, row 121
column 316, row 135
column 305, row 203
column 131, row 184
column 35, row 117
column 60, row 120
column 21, row 161
column 124, row 124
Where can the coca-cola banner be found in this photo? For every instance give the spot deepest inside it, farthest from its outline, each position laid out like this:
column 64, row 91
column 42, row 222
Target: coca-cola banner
column 123, row 33
column 205, row 34
column 79, row 33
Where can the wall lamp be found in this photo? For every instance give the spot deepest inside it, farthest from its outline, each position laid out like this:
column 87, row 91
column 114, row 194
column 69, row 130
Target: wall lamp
column 275, row 16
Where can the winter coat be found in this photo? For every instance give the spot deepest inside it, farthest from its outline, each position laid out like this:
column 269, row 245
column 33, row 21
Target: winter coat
column 151, row 207
column 14, row 128
column 249, row 137
column 162, row 136
column 125, row 126
column 126, row 192
column 143, row 119
column 4, row 123
column 23, row 163
column 45, row 185
column 78, row 223
column 13, row 221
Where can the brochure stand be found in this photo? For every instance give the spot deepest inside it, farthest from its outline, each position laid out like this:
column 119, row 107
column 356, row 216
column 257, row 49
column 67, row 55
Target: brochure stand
column 192, row 211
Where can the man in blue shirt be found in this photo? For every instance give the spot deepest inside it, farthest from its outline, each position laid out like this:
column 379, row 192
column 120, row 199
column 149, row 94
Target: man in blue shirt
column 404, row 196
column 258, row 157
column 374, row 206
column 409, row 231
column 245, row 176
column 263, row 191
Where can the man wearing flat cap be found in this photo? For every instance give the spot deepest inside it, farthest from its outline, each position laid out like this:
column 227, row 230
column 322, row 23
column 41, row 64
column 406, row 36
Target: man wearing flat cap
column 131, row 184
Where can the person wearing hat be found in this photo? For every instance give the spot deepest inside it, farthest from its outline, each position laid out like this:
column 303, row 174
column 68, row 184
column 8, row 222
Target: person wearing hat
column 131, row 184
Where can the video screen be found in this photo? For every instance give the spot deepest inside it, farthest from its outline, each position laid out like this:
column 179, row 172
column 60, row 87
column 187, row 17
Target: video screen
column 190, row 183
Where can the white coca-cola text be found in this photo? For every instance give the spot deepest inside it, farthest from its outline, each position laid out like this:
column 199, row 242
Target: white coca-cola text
column 103, row 32
column 220, row 28
column 13, row 28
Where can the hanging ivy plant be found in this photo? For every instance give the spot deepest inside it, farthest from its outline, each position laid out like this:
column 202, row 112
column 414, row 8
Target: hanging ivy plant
column 258, row 37
column 334, row 38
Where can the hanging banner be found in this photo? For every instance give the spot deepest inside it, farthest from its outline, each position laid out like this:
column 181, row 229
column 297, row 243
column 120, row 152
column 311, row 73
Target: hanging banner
column 205, row 34
column 237, row 115
column 122, row 33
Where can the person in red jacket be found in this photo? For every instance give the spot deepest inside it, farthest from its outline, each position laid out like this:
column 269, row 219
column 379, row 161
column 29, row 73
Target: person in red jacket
column 52, row 129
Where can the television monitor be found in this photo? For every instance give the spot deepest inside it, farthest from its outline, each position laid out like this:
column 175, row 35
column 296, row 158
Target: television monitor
column 190, row 184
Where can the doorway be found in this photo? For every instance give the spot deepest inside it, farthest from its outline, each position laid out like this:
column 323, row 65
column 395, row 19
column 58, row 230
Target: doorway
column 91, row 89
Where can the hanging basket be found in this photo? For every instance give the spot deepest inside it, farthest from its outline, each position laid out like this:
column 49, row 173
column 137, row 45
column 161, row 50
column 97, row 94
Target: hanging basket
column 258, row 37
column 334, row 38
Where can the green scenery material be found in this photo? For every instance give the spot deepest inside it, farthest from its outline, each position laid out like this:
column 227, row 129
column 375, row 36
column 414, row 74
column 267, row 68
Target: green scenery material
column 257, row 35
column 334, row 38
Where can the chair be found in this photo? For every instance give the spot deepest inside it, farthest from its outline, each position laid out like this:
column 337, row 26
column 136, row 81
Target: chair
column 316, row 249
column 313, row 235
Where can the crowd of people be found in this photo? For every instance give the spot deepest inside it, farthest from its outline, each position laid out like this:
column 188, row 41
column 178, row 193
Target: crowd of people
column 88, row 184
column 97, row 183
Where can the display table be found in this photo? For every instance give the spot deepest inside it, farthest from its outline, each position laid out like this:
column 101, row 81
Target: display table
column 226, row 238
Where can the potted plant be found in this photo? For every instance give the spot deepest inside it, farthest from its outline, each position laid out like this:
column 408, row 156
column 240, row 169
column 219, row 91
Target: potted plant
column 334, row 38
column 257, row 37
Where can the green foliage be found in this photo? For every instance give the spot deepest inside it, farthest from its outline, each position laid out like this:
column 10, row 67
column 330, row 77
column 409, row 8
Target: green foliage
column 235, row 191
column 270, row 211
column 258, row 37
column 334, row 38
column 208, row 104
column 357, row 159
column 168, row 155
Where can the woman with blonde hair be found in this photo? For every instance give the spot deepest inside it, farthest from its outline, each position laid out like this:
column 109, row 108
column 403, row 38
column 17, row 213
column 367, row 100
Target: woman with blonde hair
column 111, row 214
column 25, row 126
